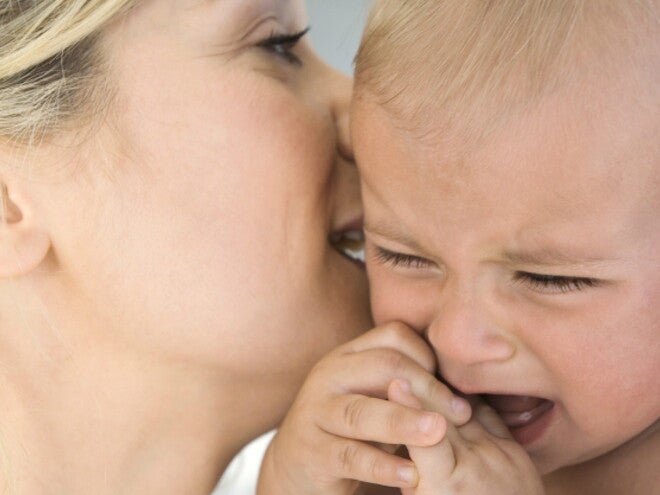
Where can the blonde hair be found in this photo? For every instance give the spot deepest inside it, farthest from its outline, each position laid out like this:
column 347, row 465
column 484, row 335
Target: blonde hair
column 471, row 62
column 49, row 63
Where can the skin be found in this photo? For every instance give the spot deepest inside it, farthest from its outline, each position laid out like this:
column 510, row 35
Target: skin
column 478, row 457
column 370, row 396
column 476, row 221
column 168, row 284
column 342, row 429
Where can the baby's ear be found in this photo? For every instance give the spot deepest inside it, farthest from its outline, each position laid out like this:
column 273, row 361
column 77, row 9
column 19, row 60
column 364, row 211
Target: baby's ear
column 24, row 244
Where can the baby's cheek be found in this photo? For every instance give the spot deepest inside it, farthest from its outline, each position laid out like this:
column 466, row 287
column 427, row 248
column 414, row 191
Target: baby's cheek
column 394, row 298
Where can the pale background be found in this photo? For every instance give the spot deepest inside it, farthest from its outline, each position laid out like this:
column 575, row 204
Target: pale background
column 336, row 27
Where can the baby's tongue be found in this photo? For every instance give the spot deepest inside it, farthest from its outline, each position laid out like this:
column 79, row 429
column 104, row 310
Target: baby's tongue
column 512, row 403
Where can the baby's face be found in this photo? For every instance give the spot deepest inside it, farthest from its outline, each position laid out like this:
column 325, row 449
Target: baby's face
column 530, row 263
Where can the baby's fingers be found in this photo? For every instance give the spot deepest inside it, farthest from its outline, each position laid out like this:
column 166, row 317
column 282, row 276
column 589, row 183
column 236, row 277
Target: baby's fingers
column 491, row 422
column 360, row 461
column 400, row 391
column 436, row 463
column 375, row 420
column 370, row 372
column 395, row 335
column 436, row 396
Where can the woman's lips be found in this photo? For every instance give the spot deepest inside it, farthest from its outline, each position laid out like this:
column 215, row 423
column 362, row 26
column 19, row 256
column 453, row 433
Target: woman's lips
column 526, row 417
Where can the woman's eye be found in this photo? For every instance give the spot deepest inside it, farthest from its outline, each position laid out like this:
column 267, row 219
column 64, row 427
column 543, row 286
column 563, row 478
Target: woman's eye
column 282, row 45
column 394, row 259
column 554, row 284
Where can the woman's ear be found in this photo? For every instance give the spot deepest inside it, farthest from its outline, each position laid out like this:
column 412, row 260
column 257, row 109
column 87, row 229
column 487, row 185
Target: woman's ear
column 23, row 243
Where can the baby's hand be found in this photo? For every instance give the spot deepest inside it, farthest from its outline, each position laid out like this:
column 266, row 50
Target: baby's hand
column 477, row 457
column 332, row 435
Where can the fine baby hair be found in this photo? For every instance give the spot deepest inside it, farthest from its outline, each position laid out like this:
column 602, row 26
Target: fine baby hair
column 472, row 63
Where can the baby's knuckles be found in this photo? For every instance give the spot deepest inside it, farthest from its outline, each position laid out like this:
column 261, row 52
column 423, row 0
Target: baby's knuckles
column 488, row 470
column 394, row 362
column 396, row 332
column 355, row 413
column 322, row 373
column 397, row 335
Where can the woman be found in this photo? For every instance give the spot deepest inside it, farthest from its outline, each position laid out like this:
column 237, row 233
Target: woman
column 178, row 201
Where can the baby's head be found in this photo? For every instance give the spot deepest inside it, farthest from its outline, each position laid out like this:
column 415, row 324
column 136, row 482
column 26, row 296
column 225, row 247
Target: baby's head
column 509, row 155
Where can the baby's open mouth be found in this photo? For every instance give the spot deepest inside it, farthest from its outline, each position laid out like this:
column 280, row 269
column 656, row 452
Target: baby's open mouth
column 349, row 243
column 526, row 417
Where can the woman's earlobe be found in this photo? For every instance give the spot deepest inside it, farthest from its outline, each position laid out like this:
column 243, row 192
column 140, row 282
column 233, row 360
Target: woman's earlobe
column 23, row 243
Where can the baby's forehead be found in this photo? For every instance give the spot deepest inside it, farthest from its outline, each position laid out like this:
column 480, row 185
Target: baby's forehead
column 576, row 152
column 623, row 105
column 541, row 172
column 587, row 115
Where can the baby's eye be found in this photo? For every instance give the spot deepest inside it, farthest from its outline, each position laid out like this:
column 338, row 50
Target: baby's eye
column 394, row 259
column 554, row 284
column 282, row 45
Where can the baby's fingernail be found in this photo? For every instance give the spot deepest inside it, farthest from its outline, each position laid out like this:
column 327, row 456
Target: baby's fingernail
column 427, row 423
column 408, row 475
column 459, row 406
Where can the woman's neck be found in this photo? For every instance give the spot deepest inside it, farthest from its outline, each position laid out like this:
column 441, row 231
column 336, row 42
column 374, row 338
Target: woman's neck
column 107, row 422
column 630, row 469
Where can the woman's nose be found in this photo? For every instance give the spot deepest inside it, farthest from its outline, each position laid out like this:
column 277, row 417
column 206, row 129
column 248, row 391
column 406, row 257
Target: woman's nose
column 464, row 334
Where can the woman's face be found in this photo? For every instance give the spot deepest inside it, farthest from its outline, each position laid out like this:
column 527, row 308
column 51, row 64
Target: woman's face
column 225, row 169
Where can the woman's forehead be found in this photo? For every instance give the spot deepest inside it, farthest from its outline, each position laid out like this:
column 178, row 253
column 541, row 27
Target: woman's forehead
column 226, row 10
column 242, row 7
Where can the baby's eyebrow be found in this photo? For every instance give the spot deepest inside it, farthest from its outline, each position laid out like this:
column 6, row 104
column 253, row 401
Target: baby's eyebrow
column 383, row 231
column 552, row 257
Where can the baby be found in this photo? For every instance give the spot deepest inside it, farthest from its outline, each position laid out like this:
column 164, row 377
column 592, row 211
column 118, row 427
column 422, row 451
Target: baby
column 510, row 168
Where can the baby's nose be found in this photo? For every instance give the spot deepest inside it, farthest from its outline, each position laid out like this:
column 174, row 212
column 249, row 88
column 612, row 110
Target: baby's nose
column 462, row 334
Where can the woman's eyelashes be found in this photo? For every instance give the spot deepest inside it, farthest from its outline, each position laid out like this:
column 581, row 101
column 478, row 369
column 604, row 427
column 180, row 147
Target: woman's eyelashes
column 282, row 45
column 554, row 284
